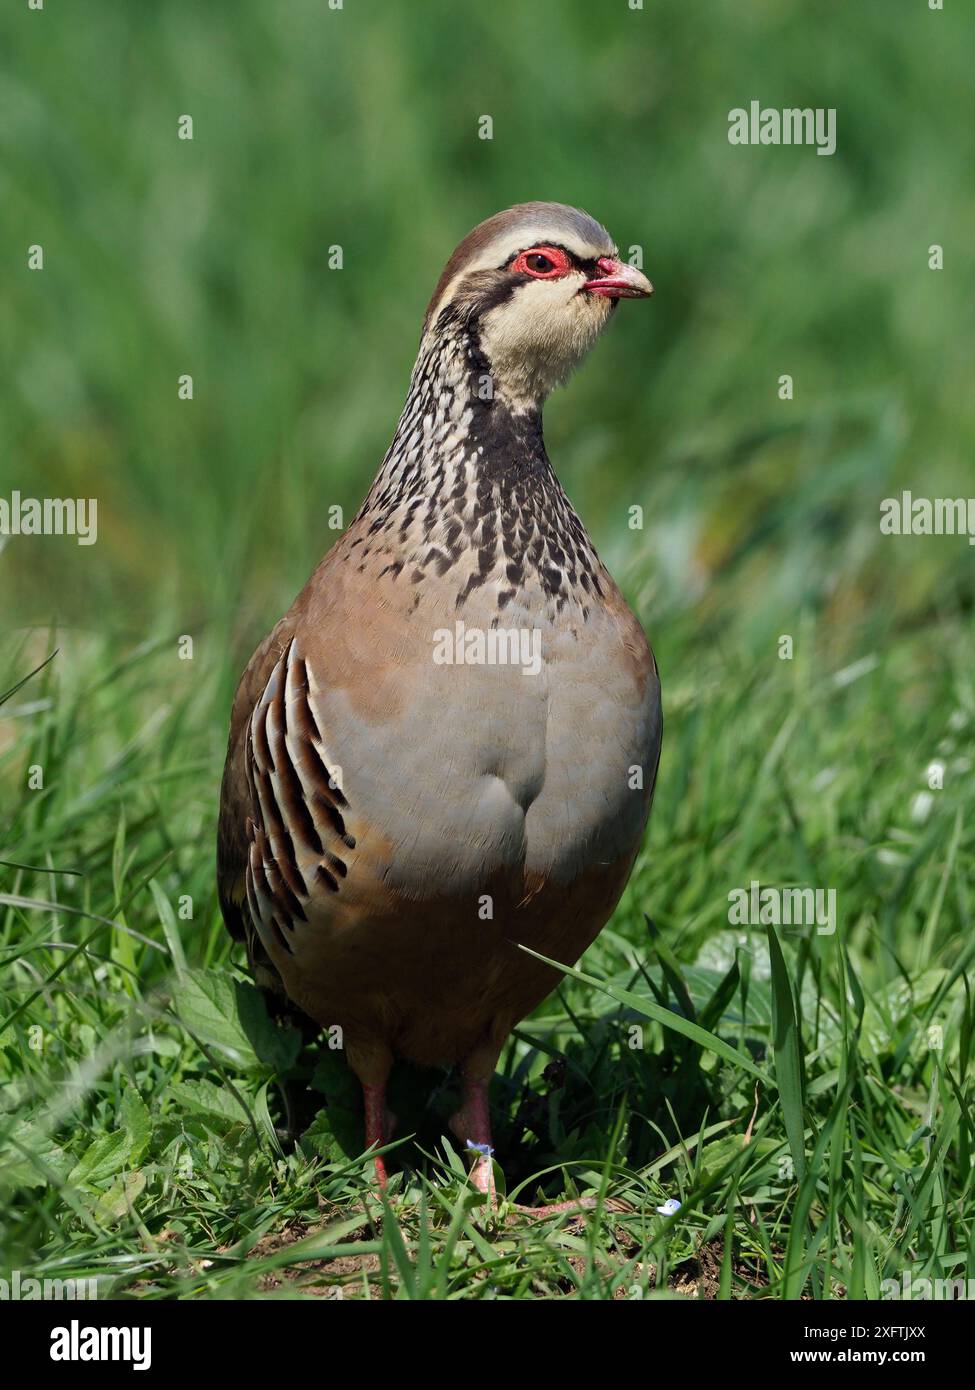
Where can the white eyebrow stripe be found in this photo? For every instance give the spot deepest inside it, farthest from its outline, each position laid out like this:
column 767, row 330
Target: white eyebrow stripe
column 499, row 251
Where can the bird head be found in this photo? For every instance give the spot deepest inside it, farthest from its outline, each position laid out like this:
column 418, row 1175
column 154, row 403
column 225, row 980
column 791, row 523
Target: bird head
column 533, row 287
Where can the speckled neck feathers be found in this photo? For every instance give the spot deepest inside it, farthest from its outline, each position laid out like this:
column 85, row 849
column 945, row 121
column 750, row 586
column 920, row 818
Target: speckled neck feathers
column 467, row 474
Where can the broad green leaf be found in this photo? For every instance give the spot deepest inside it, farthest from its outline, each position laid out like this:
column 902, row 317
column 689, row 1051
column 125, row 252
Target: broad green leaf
column 715, row 1156
column 276, row 1046
column 101, row 1159
column 319, row 1138
column 204, row 1098
column 136, row 1124
column 335, row 1132
column 16, row 1167
column 335, row 1079
column 206, row 1002
column 116, row 1203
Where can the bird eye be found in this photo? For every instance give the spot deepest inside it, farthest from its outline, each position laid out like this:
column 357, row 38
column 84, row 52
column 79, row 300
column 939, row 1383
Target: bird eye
column 545, row 262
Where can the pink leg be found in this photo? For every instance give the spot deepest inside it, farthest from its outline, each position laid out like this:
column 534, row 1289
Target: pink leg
column 372, row 1061
column 472, row 1126
column 379, row 1124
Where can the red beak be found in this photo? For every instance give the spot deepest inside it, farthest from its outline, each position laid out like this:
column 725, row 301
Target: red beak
column 619, row 280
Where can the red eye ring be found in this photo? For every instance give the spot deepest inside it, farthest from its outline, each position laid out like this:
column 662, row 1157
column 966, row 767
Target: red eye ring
column 541, row 263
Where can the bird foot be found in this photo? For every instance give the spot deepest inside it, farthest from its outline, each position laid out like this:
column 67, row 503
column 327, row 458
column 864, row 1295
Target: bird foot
column 471, row 1125
column 482, row 1172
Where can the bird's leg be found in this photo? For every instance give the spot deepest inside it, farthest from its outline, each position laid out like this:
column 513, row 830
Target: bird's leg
column 379, row 1124
column 472, row 1122
column 372, row 1065
column 472, row 1126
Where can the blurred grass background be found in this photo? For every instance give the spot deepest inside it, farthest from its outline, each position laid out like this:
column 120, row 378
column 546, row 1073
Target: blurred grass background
column 358, row 127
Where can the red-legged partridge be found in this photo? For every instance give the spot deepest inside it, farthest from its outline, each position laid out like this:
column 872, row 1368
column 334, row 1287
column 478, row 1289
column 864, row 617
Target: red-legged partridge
column 448, row 744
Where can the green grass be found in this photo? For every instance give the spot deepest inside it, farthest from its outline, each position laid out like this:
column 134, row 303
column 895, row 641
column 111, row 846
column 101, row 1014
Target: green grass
column 139, row 1136
column 807, row 1098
